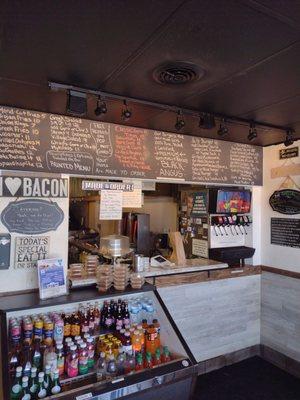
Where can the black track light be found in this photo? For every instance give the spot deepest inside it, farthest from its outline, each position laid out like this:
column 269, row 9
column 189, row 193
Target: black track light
column 252, row 132
column 76, row 104
column 223, row 130
column 289, row 139
column 126, row 113
column 180, row 123
column 101, row 107
column 207, row 121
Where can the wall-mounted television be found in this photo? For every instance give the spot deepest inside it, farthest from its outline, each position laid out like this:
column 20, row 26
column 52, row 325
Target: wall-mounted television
column 233, row 201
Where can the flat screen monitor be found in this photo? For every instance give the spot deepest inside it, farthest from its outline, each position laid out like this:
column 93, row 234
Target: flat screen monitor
column 233, row 201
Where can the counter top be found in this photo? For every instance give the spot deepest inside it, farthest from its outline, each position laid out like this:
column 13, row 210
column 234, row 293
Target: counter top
column 192, row 265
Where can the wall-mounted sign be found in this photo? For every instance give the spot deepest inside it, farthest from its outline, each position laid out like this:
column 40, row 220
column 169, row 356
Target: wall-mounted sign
column 12, row 186
column 30, row 249
column 5, row 241
column 285, row 232
column 200, row 248
column 32, row 217
column 51, row 277
column 286, row 201
column 199, row 204
column 289, row 153
column 111, row 204
column 97, row 185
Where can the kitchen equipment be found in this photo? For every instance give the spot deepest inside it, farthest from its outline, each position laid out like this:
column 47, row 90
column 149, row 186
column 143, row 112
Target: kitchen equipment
column 139, row 263
column 114, row 246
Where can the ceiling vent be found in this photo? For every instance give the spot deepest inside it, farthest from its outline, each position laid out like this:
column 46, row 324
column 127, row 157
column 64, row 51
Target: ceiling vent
column 177, row 73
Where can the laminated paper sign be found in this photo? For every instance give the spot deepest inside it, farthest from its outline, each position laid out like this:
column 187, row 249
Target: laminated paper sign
column 30, row 249
column 200, row 248
column 111, row 204
column 51, row 277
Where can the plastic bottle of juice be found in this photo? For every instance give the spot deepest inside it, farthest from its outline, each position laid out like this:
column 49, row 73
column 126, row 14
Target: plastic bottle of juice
column 67, row 326
column 139, row 362
column 91, row 352
column 60, row 359
column 83, row 360
column 157, row 328
column 166, row 356
column 136, row 342
column 50, row 358
column 72, row 362
column 58, row 333
column 148, row 360
column 144, row 325
column 157, row 357
column 151, row 339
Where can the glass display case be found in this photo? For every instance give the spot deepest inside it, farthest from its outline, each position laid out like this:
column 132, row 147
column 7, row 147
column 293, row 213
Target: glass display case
column 87, row 345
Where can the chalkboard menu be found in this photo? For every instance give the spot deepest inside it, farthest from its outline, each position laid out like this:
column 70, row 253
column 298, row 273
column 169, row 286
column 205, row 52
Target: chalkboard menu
column 285, row 232
column 35, row 141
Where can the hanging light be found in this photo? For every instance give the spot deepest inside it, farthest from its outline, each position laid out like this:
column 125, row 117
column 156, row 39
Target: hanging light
column 101, row 107
column 223, row 129
column 252, row 132
column 180, row 123
column 207, row 121
column 126, row 113
column 289, row 138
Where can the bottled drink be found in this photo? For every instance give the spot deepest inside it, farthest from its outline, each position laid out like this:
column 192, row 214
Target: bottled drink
column 91, row 353
column 14, row 360
column 130, row 363
column 16, row 389
column 157, row 328
column 126, row 315
column 121, row 359
column 72, row 362
column 166, row 356
column 58, row 334
column 38, row 329
column 83, row 367
column 27, row 330
column 91, row 320
column 47, row 381
column 144, row 325
column 26, row 364
column 37, row 355
column 85, row 323
column 139, row 362
column 109, row 320
column 48, row 332
column 111, row 366
column 60, row 359
column 157, row 358
column 50, row 358
column 136, row 342
column 150, row 341
column 97, row 318
column 33, row 385
column 127, row 344
column 67, row 325
column 55, row 387
column 119, row 317
column 103, row 314
column 101, row 367
column 148, row 360
column 75, row 325
column 41, row 392
column 25, row 393
column 15, row 331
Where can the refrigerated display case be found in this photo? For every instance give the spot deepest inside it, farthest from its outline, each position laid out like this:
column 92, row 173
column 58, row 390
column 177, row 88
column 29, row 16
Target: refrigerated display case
column 173, row 379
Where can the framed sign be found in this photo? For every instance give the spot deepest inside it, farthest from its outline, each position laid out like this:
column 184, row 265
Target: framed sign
column 13, row 186
column 30, row 249
column 288, row 153
column 286, row 201
column 51, row 277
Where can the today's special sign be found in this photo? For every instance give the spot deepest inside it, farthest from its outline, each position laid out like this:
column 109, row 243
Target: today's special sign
column 12, row 186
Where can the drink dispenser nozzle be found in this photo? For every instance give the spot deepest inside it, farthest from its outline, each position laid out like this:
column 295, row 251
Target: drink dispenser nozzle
column 220, row 224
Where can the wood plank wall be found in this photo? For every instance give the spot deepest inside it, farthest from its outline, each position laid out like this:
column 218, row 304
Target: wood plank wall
column 280, row 314
column 216, row 317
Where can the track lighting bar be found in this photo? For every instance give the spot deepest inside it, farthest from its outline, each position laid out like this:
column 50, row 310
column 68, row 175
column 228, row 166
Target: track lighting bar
column 164, row 107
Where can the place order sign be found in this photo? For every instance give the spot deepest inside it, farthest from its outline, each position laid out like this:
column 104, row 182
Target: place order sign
column 35, row 141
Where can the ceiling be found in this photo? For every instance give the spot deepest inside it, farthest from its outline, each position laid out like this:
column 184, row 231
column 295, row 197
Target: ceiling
column 249, row 50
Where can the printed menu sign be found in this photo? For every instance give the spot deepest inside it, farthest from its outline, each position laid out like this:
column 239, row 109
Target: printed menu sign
column 111, row 203
column 36, row 141
column 30, row 249
column 51, row 277
column 285, row 232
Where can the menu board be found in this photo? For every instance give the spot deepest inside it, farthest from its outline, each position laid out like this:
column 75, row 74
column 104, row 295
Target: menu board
column 285, row 232
column 36, row 141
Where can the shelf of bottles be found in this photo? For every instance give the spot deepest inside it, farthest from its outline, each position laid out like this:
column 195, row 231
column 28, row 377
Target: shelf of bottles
column 55, row 351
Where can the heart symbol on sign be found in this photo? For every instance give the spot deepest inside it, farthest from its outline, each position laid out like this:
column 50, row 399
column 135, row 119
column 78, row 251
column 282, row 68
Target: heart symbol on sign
column 13, row 185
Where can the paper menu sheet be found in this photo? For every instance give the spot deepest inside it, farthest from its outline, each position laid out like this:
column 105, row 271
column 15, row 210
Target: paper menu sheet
column 111, row 204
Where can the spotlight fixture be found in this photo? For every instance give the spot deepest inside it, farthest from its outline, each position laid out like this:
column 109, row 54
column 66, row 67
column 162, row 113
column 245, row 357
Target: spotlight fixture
column 207, row 121
column 223, row 130
column 289, row 139
column 126, row 113
column 180, row 123
column 252, row 132
column 101, row 107
column 76, row 104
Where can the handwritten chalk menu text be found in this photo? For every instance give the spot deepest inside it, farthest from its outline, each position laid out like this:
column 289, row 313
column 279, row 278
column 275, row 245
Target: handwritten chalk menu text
column 285, row 232
column 36, row 141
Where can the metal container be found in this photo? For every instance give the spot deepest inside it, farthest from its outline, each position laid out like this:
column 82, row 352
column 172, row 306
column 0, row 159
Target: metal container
column 113, row 246
column 138, row 263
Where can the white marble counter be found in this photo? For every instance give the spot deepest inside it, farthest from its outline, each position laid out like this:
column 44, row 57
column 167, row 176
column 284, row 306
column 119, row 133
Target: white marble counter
column 193, row 265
